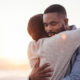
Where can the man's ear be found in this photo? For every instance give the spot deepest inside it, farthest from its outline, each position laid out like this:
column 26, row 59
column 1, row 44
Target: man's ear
column 66, row 24
column 66, row 21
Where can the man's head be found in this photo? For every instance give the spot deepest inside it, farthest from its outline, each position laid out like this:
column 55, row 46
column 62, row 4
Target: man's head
column 35, row 27
column 55, row 19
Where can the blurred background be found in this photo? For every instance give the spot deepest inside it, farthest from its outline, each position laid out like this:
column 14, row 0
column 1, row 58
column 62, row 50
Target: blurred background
column 14, row 39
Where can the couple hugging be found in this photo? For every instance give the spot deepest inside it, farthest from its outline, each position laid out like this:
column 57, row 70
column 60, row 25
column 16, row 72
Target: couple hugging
column 56, row 43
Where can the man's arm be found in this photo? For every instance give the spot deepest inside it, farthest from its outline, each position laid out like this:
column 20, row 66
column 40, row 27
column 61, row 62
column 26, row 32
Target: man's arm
column 75, row 72
column 41, row 73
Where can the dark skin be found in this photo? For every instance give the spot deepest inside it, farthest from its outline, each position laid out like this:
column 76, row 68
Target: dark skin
column 53, row 24
column 41, row 73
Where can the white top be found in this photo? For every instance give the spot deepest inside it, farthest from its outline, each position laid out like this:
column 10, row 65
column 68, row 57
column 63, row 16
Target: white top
column 56, row 50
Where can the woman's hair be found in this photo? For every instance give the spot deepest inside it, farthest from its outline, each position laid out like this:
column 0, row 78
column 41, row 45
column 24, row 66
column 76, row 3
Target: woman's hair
column 35, row 27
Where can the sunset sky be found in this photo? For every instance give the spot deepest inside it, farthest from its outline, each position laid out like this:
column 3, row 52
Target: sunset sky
column 14, row 16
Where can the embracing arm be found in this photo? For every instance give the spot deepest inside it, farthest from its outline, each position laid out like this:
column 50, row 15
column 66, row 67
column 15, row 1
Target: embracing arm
column 75, row 72
column 38, row 73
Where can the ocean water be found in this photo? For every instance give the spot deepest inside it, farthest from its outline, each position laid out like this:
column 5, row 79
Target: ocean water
column 14, row 74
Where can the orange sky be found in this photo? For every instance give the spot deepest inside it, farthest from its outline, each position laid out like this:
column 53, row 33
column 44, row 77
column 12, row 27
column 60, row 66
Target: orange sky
column 14, row 16
column 7, row 64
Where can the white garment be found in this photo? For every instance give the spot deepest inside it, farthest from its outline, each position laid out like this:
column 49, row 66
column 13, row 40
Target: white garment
column 56, row 50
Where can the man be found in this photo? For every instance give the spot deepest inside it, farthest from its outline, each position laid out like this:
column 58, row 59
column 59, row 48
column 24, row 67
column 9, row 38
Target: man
column 55, row 20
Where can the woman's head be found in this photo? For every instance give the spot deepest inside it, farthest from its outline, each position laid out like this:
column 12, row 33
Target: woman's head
column 35, row 27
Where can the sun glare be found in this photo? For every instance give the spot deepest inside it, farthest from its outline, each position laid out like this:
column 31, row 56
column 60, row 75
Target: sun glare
column 63, row 36
column 17, row 53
